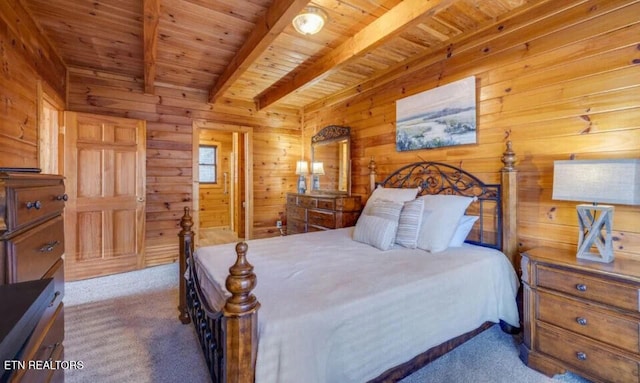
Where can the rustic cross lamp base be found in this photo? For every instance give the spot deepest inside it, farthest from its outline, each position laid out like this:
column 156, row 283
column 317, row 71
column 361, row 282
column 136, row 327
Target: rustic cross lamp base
column 595, row 229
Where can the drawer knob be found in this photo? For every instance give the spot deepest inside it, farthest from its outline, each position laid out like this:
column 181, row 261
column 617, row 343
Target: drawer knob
column 581, row 287
column 37, row 205
column 581, row 355
column 48, row 247
column 62, row 197
column 581, row 321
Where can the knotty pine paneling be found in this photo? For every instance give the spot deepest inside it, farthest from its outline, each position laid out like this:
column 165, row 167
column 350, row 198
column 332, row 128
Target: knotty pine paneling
column 169, row 114
column 275, row 152
column 25, row 58
column 215, row 208
column 561, row 83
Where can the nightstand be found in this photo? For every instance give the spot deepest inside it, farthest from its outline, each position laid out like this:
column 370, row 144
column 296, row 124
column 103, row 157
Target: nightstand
column 581, row 316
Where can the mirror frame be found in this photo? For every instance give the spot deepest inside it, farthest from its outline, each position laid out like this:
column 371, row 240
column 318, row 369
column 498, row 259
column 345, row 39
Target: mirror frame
column 327, row 135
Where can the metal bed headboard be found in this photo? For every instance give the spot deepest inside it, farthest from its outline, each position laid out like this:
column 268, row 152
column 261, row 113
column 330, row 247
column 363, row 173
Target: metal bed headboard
column 440, row 178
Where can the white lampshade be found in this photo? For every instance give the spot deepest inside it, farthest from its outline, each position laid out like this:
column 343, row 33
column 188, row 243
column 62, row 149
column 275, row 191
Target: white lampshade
column 310, row 21
column 317, row 168
column 302, row 168
column 614, row 181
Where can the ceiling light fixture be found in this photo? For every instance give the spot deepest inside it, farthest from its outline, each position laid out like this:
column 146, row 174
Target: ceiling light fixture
column 310, row 21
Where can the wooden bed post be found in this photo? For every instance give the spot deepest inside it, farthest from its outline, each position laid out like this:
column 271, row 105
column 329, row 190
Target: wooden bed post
column 241, row 314
column 372, row 176
column 186, row 241
column 509, row 207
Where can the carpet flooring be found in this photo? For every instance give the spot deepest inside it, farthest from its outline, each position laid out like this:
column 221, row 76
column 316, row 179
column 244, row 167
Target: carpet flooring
column 124, row 328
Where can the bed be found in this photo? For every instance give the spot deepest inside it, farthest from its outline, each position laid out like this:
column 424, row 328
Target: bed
column 339, row 305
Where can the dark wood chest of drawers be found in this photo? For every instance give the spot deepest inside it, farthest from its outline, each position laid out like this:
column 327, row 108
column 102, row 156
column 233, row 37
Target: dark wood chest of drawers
column 31, row 248
column 307, row 213
column 581, row 316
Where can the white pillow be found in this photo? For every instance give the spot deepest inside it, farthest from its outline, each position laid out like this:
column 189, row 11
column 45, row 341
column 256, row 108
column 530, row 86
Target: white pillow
column 375, row 231
column 464, row 227
column 390, row 194
column 438, row 227
column 409, row 223
column 379, row 228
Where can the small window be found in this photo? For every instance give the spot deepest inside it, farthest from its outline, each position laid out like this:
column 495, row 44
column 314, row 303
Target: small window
column 208, row 163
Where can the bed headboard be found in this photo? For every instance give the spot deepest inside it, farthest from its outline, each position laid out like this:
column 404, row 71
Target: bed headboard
column 495, row 205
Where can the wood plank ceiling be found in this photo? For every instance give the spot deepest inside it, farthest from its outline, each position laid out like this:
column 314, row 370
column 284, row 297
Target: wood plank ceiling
column 248, row 49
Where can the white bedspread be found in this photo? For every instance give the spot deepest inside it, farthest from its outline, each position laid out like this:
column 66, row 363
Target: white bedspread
column 336, row 310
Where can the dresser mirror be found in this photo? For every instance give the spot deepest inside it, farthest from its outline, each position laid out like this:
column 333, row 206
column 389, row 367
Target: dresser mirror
column 331, row 161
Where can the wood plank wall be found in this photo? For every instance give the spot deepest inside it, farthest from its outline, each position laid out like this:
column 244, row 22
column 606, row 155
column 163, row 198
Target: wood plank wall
column 169, row 115
column 25, row 59
column 563, row 82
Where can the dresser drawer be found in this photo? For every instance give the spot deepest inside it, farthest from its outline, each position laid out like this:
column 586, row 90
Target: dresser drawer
column 292, row 199
column 586, row 355
column 49, row 349
column 307, row 202
column 32, row 254
column 296, row 227
column 583, row 319
column 33, row 204
column 322, row 218
column 57, row 273
column 328, row 204
column 580, row 285
column 295, row 212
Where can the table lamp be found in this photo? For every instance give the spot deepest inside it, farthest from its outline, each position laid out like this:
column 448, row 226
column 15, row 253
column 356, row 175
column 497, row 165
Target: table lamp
column 614, row 181
column 302, row 169
column 317, row 170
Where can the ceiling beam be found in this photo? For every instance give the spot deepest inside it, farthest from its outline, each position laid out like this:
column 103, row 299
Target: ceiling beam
column 267, row 29
column 391, row 24
column 150, row 34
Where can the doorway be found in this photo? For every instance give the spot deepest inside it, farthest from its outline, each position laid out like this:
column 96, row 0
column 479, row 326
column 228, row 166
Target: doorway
column 222, row 210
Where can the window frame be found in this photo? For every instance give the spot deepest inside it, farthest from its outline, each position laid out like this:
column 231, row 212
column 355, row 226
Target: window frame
column 215, row 163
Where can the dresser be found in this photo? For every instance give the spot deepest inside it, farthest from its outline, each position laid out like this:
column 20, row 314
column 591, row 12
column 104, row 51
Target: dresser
column 307, row 212
column 581, row 316
column 31, row 248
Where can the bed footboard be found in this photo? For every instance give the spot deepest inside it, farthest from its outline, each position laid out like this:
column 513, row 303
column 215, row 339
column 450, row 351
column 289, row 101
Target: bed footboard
column 229, row 338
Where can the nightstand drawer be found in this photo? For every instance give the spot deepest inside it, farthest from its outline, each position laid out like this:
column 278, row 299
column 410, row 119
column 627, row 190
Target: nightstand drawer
column 586, row 355
column 583, row 319
column 580, row 285
column 321, row 218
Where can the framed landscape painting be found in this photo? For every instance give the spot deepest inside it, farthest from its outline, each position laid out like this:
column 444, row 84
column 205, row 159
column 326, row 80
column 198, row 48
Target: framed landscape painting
column 444, row 116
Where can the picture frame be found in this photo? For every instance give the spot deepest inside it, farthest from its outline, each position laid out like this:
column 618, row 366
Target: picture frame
column 439, row 117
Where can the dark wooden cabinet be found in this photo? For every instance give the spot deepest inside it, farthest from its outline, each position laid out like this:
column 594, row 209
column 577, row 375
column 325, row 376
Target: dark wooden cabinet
column 31, row 248
column 581, row 316
column 307, row 213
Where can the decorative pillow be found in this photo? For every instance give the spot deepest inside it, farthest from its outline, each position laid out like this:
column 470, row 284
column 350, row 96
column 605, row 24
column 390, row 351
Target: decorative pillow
column 409, row 223
column 438, row 227
column 375, row 231
column 390, row 194
column 379, row 228
column 464, row 227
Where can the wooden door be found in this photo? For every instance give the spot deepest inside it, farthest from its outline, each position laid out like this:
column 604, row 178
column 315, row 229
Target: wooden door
column 104, row 169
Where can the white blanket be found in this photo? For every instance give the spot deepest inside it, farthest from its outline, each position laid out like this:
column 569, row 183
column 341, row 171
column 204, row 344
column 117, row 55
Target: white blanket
column 336, row 310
